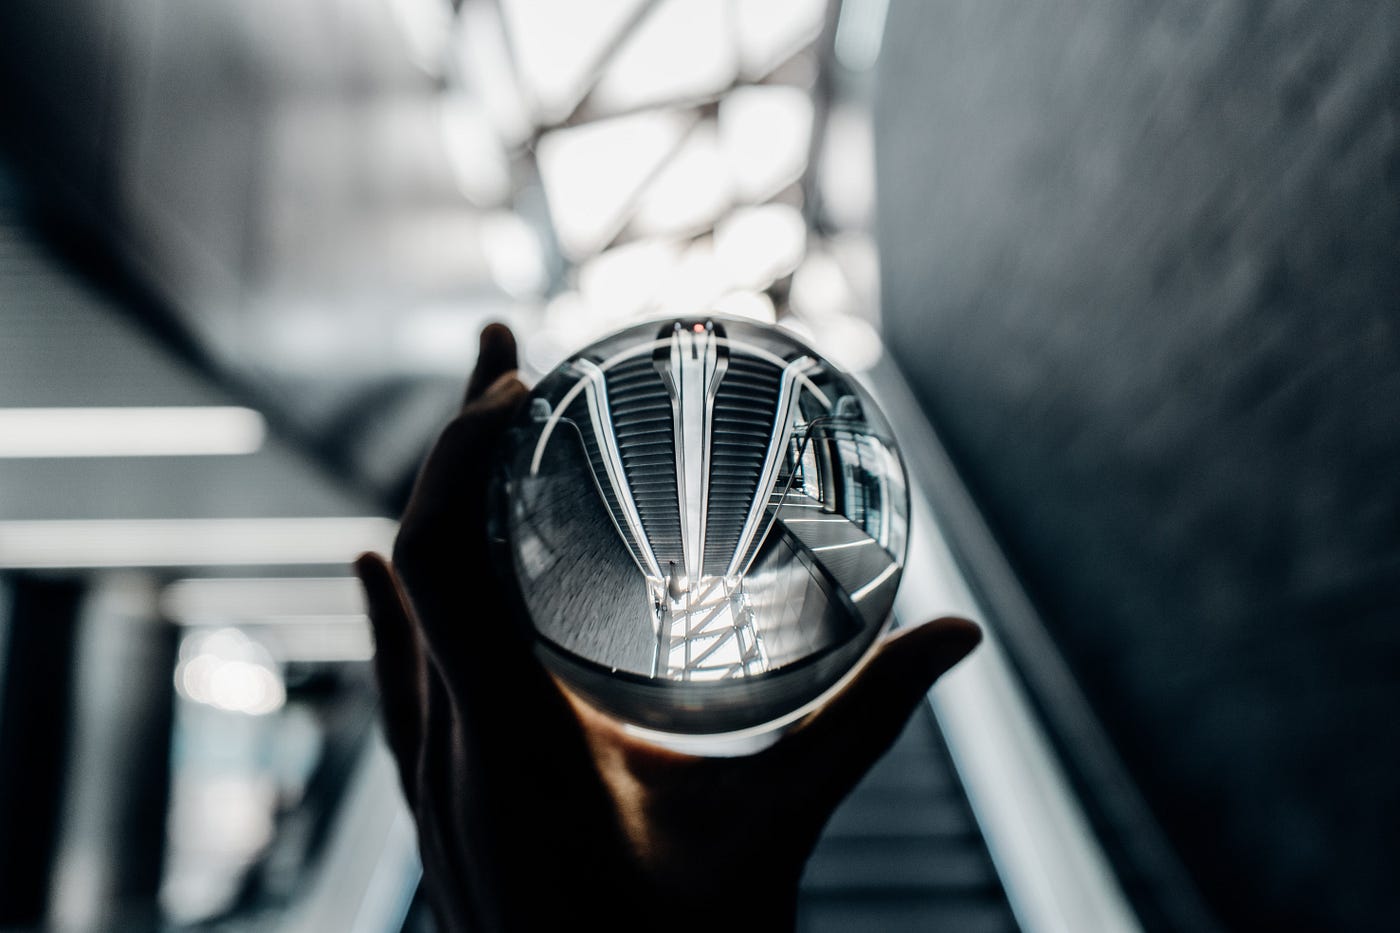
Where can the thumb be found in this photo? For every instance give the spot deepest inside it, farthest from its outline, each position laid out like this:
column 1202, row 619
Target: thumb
column 846, row 737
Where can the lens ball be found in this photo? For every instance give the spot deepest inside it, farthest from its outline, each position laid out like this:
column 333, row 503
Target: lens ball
column 707, row 522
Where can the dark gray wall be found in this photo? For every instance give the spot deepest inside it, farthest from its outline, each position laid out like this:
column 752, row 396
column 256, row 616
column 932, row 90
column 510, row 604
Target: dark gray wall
column 1142, row 262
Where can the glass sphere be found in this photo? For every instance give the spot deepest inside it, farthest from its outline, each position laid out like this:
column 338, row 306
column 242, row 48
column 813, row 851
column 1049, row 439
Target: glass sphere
column 707, row 522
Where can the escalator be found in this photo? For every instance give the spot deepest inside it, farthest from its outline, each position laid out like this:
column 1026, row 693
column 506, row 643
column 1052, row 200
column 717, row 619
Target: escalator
column 903, row 852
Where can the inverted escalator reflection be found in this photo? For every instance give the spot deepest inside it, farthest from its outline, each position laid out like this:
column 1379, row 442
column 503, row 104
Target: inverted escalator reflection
column 707, row 522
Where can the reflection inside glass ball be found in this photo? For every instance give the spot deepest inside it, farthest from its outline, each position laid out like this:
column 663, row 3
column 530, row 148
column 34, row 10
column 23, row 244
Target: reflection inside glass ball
column 707, row 522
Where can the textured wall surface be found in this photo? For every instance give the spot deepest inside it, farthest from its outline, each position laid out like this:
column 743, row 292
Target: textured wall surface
column 1142, row 262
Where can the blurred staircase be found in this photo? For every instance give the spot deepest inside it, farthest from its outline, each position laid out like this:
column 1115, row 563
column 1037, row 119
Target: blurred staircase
column 904, row 853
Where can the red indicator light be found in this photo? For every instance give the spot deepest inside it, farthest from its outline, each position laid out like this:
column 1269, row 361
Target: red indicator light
column 699, row 328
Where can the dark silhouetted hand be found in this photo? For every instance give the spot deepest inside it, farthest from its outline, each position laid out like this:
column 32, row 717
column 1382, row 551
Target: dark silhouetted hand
column 537, row 812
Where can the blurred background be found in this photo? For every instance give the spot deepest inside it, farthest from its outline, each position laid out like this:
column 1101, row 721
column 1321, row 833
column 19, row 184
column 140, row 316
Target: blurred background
column 1126, row 278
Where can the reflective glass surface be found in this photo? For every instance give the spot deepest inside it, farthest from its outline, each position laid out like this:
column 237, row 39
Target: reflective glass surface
column 707, row 521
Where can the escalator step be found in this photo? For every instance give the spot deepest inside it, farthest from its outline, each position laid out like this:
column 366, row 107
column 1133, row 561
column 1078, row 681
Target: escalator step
column 903, row 852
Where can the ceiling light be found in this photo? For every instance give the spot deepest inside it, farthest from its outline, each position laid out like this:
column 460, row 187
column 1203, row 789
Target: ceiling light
column 756, row 245
column 691, row 191
column 682, row 50
column 514, row 254
column 847, row 169
column 129, row 432
column 191, row 542
column 770, row 31
column 859, row 32
column 223, row 600
column 473, row 147
column 593, row 173
column 556, row 44
column 229, row 671
column 482, row 58
column 755, row 306
column 765, row 132
column 623, row 282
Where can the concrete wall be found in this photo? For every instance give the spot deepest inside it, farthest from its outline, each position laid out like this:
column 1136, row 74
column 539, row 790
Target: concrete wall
column 1142, row 263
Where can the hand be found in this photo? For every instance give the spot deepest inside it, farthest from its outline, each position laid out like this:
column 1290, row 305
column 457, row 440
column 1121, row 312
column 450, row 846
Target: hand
column 538, row 812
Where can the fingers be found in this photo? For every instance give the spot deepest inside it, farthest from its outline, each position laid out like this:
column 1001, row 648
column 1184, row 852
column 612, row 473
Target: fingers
column 447, row 508
column 442, row 543
column 496, row 357
column 399, row 666
column 442, row 553
column 844, row 739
